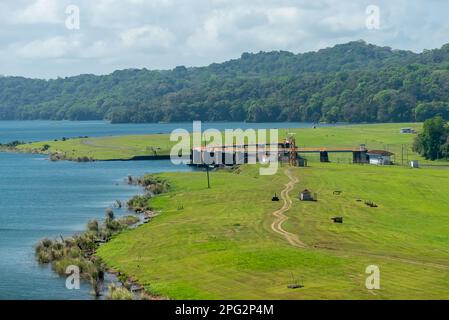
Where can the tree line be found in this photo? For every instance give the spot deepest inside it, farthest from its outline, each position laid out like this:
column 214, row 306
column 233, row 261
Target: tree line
column 353, row 82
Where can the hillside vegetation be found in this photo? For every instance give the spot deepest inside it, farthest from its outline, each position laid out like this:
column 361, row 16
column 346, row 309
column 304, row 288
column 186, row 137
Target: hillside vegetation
column 353, row 82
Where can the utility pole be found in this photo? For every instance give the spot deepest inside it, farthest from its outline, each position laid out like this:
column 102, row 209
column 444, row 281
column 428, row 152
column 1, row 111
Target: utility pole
column 208, row 179
column 406, row 152
column 206, row 164
column 402, row 154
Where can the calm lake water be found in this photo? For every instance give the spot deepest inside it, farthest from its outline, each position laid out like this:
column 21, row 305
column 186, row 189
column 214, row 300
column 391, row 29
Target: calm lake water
column 39, row 198
column 28, row 131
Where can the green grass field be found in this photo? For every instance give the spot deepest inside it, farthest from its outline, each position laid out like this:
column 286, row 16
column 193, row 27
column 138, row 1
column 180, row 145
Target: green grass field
column 105, row 148
column 375, row 136
column 218, row 244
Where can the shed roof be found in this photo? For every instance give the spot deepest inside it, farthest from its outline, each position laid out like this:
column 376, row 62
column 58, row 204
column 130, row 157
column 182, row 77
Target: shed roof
column 380, row 153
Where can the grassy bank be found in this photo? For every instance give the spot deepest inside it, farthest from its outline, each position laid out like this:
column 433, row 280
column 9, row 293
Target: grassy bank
column 375, row 136
column 217, row 243
column 103, row 148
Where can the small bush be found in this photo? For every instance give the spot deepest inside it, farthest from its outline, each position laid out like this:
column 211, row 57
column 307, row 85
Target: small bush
column 140, row 203
column 46, row 243
column 60, row 266
column 129, row 220
column 83, row 159
column 92, row 226
column 109, row 214
column 119, row 293
column 154, row 184
column 43, row 257
column 113, row 226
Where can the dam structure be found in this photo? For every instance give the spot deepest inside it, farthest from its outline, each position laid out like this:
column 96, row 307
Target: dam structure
column 285, row 152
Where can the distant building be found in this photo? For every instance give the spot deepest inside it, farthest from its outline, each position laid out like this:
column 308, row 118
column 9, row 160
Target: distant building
column 379, row 157
column 305, row 195
column 407, row 130
column 414, row 164
column 337, row 219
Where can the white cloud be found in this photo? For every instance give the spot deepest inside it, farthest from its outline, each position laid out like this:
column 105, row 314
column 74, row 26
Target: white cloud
column 99, row 49
column 165, row 33
column 56, row 47
column 41, row 11
column 249, row 28
column 284, row 15
column 341, row 23
column 126, row 13
column 147, row 37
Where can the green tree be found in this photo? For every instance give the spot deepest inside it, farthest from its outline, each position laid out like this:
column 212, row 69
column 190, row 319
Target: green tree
column 426, row 110
column 433, row 139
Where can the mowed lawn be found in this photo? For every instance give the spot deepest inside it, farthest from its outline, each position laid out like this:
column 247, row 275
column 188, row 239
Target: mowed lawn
column 217, row 243
column 375, row 136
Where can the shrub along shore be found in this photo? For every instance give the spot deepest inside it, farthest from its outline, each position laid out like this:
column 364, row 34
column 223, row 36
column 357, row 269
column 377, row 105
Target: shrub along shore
column 79, row 250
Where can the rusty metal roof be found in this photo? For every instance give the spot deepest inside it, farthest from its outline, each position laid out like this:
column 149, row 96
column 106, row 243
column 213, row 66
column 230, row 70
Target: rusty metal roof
column 380, row 153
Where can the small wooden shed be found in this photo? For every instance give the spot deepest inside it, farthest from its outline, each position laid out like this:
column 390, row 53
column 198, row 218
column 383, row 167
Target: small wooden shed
column 407, row 130
column 306, row 195
column 337, row 219
column 414, row 164
column 379, row 157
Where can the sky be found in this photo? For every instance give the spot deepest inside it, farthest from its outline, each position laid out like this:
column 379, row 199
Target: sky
column 59, row 38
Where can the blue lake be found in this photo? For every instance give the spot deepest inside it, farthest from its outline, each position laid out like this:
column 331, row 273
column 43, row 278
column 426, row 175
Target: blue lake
column 39, row 198
column 28, row 131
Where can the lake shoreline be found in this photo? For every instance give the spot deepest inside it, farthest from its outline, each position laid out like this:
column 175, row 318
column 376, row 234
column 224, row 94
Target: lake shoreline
column 117, row 279
column 60, row 157
column 139, row 143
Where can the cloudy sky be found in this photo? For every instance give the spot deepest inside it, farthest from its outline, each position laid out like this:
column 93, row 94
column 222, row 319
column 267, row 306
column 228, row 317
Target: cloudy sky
column 41, row 38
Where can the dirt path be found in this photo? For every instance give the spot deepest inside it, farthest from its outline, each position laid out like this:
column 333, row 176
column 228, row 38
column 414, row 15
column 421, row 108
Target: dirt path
column 279, row 215
column 293, row 239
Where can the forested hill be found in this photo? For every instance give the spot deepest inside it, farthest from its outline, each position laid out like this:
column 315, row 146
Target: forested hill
column 353, row 82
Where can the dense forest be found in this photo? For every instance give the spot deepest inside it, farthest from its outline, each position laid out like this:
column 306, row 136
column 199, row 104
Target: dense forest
column 353, row 82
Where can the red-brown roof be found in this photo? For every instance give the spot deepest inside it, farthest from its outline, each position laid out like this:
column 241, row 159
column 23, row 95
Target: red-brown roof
column 380, row 152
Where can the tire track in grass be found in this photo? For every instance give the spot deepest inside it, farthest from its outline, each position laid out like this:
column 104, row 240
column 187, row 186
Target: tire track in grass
column 279, row 215
column 293, row 239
